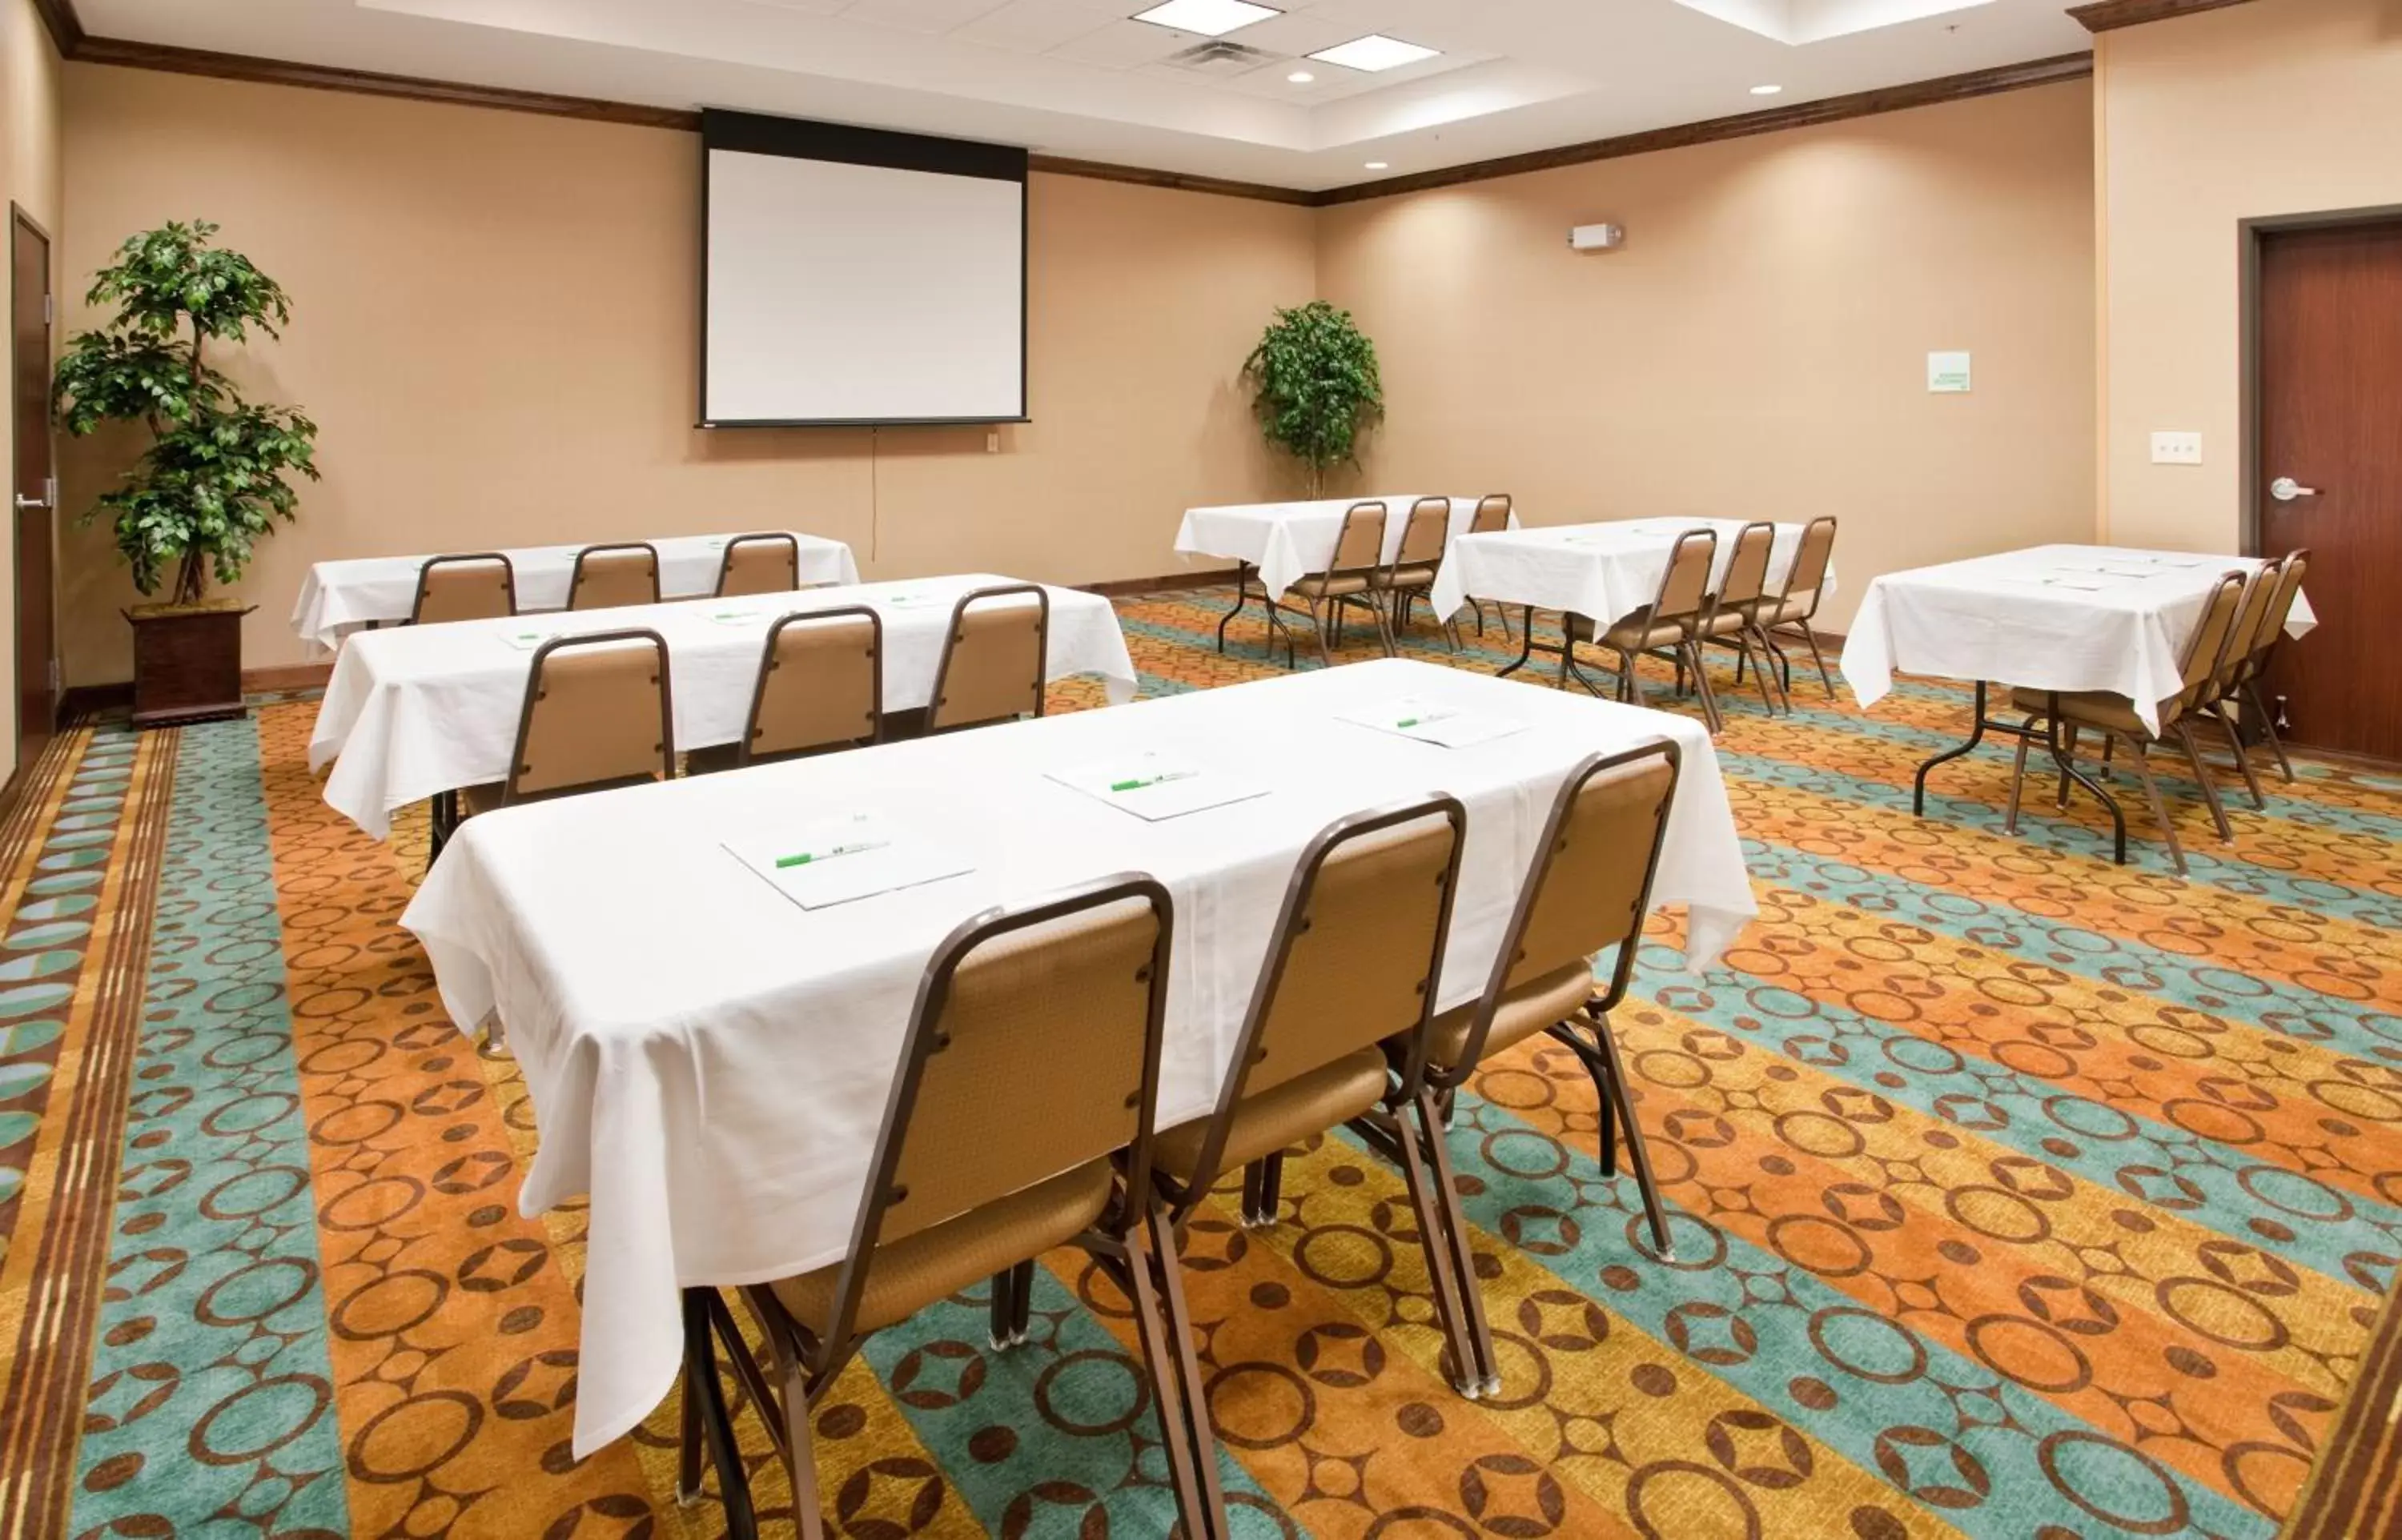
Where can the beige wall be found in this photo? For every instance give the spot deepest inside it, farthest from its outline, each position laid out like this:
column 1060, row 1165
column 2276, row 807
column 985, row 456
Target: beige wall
column 2288, row 106
column 494, row 327
column 1758, row 348
column 29, row 157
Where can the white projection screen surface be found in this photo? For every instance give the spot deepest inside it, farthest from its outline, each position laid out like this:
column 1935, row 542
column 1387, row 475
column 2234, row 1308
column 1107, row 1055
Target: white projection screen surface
column 855, row 276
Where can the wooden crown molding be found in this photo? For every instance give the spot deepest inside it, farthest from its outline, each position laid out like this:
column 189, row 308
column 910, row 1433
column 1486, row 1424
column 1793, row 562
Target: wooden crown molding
column 126, row 54
column 1801, row 114
column 2107, row 15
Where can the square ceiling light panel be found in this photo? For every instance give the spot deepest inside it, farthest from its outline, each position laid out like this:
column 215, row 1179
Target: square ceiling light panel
column 1374, row 52
column 1209, row 18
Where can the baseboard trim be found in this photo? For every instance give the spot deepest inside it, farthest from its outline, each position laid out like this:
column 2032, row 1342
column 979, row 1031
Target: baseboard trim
column 1120, row 587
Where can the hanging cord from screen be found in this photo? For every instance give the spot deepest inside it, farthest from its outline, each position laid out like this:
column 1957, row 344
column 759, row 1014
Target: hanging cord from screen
column 875, row 505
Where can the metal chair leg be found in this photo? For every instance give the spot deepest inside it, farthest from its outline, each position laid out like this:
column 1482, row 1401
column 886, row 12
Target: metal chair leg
column 2269, row 730
column 2068, row 754
column 715, row 1419
column 1824, row 676
column 2160, row 808
column 2184, row 730
column 1422, row 1121
column 2242, row 757
column 1172, row 1397
column 1466, row 1378
column 2018, row 776
column 1005, row 1310
column 1176, row 1317
column 1637, row 1154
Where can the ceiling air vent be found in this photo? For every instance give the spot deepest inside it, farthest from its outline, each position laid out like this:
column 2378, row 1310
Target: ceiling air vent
column 1219, row 57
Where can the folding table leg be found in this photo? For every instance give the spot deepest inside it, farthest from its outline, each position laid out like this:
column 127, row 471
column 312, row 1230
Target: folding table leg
column 1976, row 737
column 716, row 1421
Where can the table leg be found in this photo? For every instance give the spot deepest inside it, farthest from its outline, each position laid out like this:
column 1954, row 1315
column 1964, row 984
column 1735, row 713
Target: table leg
column 1526, row 644
column 1243, row 571
column 1976, row 737
column 2068, row 768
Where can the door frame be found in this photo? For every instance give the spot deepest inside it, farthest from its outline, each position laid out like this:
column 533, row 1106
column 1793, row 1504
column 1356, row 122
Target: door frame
column 2251, row 235
column 19, row 216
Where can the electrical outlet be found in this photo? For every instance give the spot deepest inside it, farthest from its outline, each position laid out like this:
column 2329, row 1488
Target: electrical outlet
column 2177, row 449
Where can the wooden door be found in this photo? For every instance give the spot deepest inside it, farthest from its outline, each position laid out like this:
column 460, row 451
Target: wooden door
column 36, row 491
column 2330, row 469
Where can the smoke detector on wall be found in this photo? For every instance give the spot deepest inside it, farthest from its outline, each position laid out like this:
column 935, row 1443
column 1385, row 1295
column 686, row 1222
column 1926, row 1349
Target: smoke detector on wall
column 1596, row 238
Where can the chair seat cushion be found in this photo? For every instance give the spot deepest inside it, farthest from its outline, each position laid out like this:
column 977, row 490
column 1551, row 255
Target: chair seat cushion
column 1726, row 622
column 1410, row 577
column 1538, row 1003
column 1332, row 584
column 2104, row 708
column 1282, row 1116
column 481, row 799
column 937, row 1263
column 1790, row 611
column 711, row 760
column 1627, row 636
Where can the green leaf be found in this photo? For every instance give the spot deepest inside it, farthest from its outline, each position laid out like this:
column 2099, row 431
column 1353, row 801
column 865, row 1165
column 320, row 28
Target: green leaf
column 1314, row 385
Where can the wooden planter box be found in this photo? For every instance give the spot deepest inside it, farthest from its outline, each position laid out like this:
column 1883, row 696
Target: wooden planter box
column 186, row 662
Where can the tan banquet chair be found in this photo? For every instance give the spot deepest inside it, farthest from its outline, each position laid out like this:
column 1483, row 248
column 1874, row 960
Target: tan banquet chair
column 993, row 658
column 2113, row 716
column 1492, row 517
column 1734, row 615
column 1424, row 539
column 597, row 715
column 611, row 577
column 1350, row 581
column 821, row 688
column 2259, row 648
column 481, row 585
column 1671, row 624
column 2258, row 596
column 1797, row 604
column 759, row 564
column 1585, row 895
column 1019, row 1121
column 1338, row 1027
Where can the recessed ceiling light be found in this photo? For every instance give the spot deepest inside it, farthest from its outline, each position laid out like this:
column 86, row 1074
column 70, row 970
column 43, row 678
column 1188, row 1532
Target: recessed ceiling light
column 1374, row 52
column 1209, row 18
column 1766, row 90
column 1301, row 78
column 1378, row 165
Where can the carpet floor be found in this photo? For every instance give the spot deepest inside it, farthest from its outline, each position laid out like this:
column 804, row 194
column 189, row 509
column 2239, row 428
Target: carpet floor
column 2015, row 1195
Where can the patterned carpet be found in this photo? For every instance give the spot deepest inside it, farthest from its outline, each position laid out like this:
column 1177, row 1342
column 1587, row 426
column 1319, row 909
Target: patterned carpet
column 2015, row 1195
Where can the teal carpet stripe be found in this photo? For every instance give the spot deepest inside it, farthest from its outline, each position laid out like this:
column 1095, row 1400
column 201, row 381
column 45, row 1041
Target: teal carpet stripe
column 1068, row 1414
column 2119, row 962
column 211, row 1343
column 2210, row 865
column 2329, row 1231
column 1760, row 1325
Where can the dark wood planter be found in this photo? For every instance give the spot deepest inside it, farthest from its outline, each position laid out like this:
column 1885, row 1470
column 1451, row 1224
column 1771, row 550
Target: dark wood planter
column 186, row 662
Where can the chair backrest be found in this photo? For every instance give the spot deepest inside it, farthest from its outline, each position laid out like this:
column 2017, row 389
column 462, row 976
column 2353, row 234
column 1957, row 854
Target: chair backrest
column 597, row 713
column 760, row 564
column 820, row 684
column 482, row 585
column 2211, row 635
column 2281, row 609
column 1685, row 584
column 993, row 656
column 1356, row 955
column 610, row 577
column 1747, row 574
column 1492, row 514
column 2259, row 595
column 1808, row 573
column 1428, row 530
column 1032, row 1050
column 1361, row 545
column 1589, row 885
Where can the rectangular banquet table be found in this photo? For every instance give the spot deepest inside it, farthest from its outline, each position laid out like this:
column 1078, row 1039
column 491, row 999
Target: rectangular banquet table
column 1281, row 542
column 709, row 1061
column 2050, row 617
column 421, row 709
column 1603, row 571
column 339, row 598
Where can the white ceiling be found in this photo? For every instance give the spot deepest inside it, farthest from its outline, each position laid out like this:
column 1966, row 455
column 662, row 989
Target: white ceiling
column 1078, row 79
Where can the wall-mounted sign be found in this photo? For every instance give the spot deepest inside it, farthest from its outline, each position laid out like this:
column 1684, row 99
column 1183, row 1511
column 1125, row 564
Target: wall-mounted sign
column 1947, row 374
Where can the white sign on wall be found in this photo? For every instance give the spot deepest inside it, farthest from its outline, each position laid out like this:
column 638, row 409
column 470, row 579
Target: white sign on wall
column 1947, row 374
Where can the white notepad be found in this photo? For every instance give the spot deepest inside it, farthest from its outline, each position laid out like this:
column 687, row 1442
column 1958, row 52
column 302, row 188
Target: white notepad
column 734, row 617
column 909, row 601
column 842, row 860
column 1430, row 722
column 527, row 641
column 1158, row 786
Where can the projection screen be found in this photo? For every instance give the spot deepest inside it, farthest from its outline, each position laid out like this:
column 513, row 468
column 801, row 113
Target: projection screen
column 857, row 276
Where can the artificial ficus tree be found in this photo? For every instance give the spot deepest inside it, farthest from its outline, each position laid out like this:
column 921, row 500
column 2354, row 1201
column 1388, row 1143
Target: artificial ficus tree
column 1315, row 387
column 214, row 478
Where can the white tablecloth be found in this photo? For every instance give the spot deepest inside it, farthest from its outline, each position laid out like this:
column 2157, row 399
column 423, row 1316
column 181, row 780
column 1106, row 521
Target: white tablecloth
column 710, row 1062
column 2031, row 619
column 1601, row 572
column 340, row 597
column 1288, row 540
column 425, row 708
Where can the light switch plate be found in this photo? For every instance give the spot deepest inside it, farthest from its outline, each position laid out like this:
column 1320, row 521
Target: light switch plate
column 2177, row 449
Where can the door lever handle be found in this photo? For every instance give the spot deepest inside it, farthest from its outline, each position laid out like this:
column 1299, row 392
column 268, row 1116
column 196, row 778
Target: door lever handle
column 24, row 501
column 2285, row 489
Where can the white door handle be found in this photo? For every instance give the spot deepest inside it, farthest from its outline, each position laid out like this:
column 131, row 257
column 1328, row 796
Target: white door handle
column 2285, row 489
column 24, row 501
